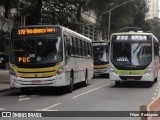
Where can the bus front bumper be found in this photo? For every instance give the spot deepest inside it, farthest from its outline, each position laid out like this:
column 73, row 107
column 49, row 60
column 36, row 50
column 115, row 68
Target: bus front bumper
column 144, row 77
column 17, row 82
column 101, row 71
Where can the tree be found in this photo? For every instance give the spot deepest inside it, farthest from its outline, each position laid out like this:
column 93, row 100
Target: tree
column 155, row 26
column 66, row 13
column 63, row 12
column 129, row 14
column 32, row 12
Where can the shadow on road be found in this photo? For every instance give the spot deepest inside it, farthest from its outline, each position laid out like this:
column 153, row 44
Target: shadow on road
column 134, row 84
column 101, row 77
column 44, row 91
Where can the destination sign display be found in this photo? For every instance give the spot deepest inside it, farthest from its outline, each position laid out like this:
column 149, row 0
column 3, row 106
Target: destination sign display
column 23, row 59
column 30, row 31
column 131, row 37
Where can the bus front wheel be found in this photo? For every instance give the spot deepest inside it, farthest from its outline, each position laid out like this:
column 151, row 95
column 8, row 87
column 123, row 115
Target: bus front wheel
column 155, row 80
column 85, row 83
column 70, row 87
column 117, row 83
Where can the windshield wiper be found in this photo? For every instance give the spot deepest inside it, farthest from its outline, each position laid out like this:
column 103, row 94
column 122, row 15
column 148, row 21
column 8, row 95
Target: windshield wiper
column 28, row 45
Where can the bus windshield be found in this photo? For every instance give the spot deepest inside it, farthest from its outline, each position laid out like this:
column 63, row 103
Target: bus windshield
column 36, row 50
column 100, row 53
column 131, row 54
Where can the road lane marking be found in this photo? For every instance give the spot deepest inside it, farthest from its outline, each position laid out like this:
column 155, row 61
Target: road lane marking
column 45, row 109
column 1, row 109
column 34, row 96
column 22, row 96
column 50, row 110
column 23, row 99
column 90, row 90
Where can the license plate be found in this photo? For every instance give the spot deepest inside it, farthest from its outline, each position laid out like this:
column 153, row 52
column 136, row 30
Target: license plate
column 36, row 81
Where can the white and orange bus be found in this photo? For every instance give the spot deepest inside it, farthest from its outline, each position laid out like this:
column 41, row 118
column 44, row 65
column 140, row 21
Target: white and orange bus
column 49, row 55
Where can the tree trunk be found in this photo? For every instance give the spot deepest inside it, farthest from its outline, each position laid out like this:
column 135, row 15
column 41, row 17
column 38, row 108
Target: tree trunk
column 6, row 8
column 37, row 18
column 79, row 12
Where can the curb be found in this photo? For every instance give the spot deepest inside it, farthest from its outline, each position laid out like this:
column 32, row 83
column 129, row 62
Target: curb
column 4, row 72
column 4, row 86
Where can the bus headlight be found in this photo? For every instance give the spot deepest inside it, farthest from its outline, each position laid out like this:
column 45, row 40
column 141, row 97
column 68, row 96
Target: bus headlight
column 12, row 72
column 149, row 70
column 59, row 71
column 112, row 70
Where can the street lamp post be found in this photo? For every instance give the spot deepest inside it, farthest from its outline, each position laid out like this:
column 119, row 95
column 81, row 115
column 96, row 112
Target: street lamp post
column 109, row 16
column 109, row 24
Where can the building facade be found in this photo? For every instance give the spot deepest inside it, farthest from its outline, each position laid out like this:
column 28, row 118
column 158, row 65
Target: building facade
column 153, row 9
column 89, row 28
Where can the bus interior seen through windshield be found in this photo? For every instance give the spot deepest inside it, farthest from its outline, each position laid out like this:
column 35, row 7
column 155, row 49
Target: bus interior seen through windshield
column 100, row 52
column 39, row 50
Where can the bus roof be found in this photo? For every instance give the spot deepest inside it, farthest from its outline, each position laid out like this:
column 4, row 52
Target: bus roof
column 80, row 35
column 132, row 33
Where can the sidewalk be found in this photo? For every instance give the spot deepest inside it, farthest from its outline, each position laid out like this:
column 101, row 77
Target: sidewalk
column 4, row 80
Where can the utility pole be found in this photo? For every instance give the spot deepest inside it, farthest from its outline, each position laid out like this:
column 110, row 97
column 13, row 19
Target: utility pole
column 109, row 16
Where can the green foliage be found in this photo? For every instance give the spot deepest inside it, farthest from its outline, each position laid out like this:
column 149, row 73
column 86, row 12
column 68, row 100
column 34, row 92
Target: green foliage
column 59, row 12
column 129, row 14
column 155, row 27
column 63, row 12
column 33, row 11
column 68, row 13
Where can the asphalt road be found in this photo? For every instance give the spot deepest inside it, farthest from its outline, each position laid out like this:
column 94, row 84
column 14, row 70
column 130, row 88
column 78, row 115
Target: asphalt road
column 100, row 95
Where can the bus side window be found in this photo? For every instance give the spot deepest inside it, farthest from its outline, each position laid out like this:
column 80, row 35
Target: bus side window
column 72, row 46
column 91, row 50
column 88, row 49
column 76, row 41
column 67, row 45
column 80, row 47
column 75, row 45
column 83, row 48
column 156, row 49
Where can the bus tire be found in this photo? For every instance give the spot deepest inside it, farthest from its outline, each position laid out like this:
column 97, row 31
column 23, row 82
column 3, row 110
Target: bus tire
column 117, row 83
column 71, row 85
column 155, row 80
column 85, row 82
